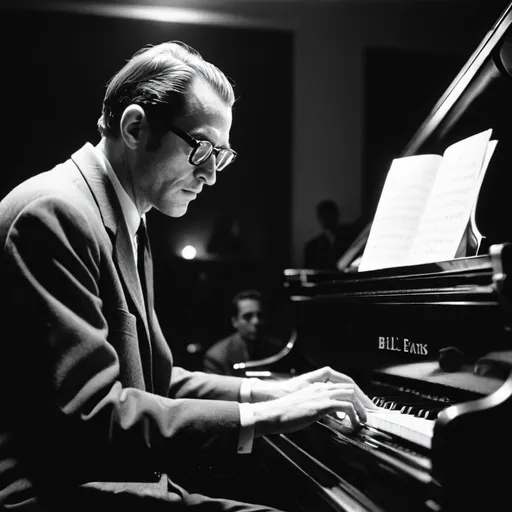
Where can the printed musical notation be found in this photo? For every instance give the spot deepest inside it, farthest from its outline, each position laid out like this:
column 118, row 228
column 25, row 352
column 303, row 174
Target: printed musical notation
column 426, row 204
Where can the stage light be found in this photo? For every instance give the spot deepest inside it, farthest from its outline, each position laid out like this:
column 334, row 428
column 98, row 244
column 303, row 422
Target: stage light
column 188, row 252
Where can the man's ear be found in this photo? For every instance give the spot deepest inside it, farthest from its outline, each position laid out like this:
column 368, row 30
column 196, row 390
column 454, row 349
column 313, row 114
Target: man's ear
column 132, row 121
column 233, row 321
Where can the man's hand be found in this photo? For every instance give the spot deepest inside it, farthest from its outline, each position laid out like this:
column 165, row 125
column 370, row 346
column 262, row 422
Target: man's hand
column 268, row 390
column 304, row 406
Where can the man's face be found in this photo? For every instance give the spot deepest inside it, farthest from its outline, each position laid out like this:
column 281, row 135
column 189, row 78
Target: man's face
column 249, row 322
column 164, row 179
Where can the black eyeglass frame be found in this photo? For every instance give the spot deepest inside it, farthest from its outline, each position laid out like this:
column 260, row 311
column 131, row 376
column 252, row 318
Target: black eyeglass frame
column 195, row 144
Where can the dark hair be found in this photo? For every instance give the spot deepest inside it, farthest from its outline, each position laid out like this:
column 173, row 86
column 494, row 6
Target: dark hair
column 327, row 207
column 328, row 214
column 244, row 294
column 158, row 79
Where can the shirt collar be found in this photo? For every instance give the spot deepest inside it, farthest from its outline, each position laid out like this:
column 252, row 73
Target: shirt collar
column 130, row 212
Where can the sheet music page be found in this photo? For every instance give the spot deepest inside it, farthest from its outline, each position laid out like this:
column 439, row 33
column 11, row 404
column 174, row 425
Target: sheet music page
column 452, row 198
column 401, row 206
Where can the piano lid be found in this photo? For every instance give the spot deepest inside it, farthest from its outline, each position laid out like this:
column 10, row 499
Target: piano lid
column 476, row 280
column 478, row 98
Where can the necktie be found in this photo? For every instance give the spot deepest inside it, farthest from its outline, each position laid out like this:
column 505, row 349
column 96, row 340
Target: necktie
column 145, row 270
column 144, row 267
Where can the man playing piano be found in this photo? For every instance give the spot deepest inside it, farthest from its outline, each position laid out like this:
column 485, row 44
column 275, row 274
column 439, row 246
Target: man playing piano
column 94, row 414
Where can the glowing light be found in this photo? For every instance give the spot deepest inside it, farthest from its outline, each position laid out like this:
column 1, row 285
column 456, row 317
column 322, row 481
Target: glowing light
column 188, row 252
column 162, row 14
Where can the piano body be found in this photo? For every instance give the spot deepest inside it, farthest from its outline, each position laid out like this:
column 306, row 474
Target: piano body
column 429, row 343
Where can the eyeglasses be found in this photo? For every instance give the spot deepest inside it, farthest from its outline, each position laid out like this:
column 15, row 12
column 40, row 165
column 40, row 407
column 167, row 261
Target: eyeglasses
column 203, row 149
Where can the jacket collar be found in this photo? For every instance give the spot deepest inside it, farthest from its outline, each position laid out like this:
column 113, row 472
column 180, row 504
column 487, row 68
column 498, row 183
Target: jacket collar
column 101, row 187
column 104, row 194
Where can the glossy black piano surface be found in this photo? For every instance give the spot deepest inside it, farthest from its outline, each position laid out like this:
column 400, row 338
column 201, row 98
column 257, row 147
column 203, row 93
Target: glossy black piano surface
column 432, row 342
column 429, row 342
column 402, row 315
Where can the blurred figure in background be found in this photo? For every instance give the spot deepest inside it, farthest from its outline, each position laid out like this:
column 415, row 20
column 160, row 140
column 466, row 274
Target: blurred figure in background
column 249, row 342
column 226, row 241
column 324, row 250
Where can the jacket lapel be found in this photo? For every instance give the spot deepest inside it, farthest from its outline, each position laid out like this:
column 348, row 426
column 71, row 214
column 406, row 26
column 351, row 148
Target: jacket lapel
column 239, row 351
column 110, row 210
column 123, row 257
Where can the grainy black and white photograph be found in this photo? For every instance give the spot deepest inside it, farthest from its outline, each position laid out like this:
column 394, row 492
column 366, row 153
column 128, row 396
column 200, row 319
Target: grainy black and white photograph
column 254, row 255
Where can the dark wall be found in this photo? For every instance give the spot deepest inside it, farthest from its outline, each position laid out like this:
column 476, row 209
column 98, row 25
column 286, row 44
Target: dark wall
column 55, row 69
column 401, row 88
column 402, row 85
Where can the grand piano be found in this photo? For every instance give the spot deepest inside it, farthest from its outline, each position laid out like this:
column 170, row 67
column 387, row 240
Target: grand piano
column 431, row 343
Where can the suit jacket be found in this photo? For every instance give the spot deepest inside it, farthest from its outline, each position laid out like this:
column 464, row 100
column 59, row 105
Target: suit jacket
column 88, row 388
column 222, row 355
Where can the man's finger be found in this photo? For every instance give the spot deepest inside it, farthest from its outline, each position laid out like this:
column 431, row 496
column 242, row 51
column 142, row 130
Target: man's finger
column 350, row 395
column 365, row 399
column 348, row 409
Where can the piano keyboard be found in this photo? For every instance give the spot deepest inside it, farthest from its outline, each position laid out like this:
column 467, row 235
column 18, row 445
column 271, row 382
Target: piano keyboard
column 405, row 426
column 416, row 430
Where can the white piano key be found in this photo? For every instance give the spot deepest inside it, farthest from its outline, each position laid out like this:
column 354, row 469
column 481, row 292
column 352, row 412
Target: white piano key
column 411, row 428
column 417, row 430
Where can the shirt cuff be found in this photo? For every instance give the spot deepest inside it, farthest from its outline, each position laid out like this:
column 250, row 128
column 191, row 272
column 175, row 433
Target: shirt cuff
column 246, row 436
column 245, row 389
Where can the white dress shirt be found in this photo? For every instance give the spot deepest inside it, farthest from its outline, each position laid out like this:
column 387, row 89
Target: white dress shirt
column 133, row 219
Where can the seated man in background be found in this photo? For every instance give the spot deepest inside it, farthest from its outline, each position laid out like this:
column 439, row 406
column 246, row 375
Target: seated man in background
column 251, row 341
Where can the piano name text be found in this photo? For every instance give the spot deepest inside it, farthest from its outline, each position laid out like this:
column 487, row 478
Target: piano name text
column 399, row 344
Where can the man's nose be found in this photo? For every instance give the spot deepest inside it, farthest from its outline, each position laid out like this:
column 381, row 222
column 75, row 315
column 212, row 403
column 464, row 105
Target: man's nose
column 207, row 172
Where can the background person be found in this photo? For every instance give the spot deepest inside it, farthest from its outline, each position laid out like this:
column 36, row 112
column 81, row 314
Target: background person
column 325, row 249
column 249, row 342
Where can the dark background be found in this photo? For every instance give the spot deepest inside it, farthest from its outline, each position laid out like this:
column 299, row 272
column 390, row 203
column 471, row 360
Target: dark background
column 402, row 85
column 394, row 109
column 54, row 78
column 55, row 67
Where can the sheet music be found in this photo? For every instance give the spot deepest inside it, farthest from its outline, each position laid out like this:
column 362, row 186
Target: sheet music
column 453, row 197
column 403, row 200
column 426, row 205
